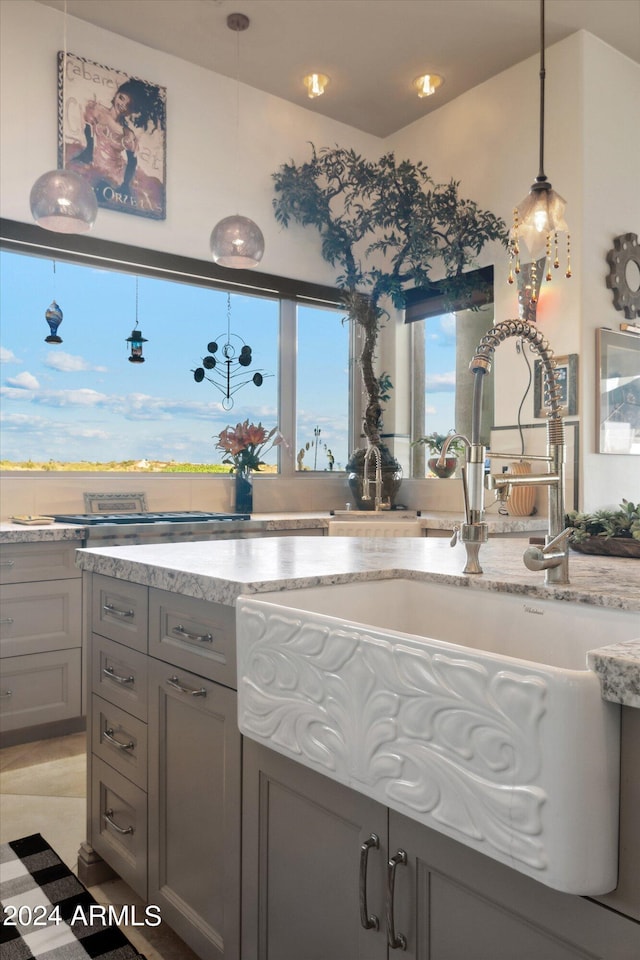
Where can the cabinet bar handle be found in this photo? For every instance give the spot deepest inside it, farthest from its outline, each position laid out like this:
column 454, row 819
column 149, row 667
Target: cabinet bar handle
column 7, row 563
column 108, row 672
column 109, row 608
column 397, row 941
column 175, row 683
column 107, row 816
column 6, row 694
column 109, row 737
column 367, row 920
column 192, row 637
column 7, row 620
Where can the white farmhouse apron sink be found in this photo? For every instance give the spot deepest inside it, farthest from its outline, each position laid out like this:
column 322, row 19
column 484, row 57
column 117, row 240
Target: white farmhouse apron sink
column 470, row 711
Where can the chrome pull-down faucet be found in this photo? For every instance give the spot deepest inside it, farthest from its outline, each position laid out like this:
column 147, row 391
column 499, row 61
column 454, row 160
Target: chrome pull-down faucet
column 373, row 450
column 473, row 532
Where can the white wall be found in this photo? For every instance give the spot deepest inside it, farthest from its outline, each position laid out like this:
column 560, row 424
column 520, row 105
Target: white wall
column 486, row 138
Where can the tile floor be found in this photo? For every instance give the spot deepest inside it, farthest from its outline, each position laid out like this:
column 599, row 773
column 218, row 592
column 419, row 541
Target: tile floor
column 43, row 790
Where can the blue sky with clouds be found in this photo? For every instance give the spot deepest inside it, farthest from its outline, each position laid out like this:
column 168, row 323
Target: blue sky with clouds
column 83, row 399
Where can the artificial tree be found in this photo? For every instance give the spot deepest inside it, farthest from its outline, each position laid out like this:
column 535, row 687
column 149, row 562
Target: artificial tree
column 386, row 225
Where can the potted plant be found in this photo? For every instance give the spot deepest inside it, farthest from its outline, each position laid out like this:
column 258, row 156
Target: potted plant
column 384, row 225
column 434, row 443
column 613, row 532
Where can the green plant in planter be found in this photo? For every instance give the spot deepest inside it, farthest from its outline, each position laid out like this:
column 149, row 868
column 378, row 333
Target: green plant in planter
column 385, row 225
column 605, row 524
column 434, row 443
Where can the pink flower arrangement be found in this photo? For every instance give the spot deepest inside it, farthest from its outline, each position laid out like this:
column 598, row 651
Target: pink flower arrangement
column 245, row 444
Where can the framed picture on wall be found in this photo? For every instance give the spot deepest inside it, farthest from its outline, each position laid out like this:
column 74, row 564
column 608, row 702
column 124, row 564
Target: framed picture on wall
column 112, row 131
column 567, row 376
column 618, row 392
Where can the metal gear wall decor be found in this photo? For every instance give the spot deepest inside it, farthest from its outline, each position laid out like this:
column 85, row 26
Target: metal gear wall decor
column 625, row 251
column 230, row 365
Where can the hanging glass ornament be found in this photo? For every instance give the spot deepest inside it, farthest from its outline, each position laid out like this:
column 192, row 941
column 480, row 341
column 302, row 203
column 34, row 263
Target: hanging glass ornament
column 53, row 316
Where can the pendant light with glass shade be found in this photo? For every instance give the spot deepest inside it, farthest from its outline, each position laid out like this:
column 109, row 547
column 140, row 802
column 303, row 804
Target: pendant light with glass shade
column 237, row 241
column 539, row 219
column 62, row 200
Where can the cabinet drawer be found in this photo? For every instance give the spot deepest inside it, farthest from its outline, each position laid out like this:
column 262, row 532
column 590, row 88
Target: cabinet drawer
column 196, row 635
column 119, row 824
column 119, row 675
column 40, row 616
column 22, row 562
column 39, row 688
column 119, row 611
column 120, row 740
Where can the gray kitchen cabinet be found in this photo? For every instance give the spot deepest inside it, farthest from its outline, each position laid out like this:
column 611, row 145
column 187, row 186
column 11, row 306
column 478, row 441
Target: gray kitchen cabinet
column 302, row 861
column 435, row 899
column 194, row 809
column 40, row 641
column 165, row 764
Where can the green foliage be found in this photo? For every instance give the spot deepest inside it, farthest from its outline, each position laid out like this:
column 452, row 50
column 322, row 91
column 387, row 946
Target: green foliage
column 624, row 522
column 434, row 442
column 384, row 224
column 387, row 210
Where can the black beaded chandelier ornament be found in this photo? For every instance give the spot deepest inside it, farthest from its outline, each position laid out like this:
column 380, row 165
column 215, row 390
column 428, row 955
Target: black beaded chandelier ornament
column 227, row 362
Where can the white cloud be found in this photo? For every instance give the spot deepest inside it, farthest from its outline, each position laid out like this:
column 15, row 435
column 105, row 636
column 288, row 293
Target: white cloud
column 24, row 380
column 441, row 382
column 8, row 356
column 69, row 363
column 73, row 398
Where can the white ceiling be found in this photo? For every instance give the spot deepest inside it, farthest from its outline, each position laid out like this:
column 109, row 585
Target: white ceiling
column 371, row 49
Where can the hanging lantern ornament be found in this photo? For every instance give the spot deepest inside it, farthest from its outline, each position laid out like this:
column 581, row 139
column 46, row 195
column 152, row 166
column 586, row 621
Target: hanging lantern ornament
column 136, row 339
column 225, row 369
column 539, row 219
column 62, row 200
column 237, row 241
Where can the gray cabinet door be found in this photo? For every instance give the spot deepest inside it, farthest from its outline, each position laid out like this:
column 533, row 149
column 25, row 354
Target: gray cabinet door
column 194, row 809
column 302, row 839
column 452, row 902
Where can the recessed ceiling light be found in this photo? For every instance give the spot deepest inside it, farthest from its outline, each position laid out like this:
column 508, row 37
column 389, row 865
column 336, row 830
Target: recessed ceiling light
column 427, row 84
column 315, row 84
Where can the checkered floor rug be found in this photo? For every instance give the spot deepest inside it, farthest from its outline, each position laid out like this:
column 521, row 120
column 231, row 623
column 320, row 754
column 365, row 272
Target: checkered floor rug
column 46, row 911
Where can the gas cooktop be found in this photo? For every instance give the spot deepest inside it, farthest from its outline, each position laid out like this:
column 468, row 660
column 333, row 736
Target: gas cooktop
column 180, row 516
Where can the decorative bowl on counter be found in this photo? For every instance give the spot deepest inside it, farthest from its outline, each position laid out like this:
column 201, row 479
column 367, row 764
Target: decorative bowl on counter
column 611, row 547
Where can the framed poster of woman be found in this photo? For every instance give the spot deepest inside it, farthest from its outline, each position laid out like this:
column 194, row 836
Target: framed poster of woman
column 112, row 131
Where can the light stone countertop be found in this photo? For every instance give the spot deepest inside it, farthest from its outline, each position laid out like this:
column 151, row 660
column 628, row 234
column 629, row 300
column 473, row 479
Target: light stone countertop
column 19, row 533
column 430, row 520
column 221, row 571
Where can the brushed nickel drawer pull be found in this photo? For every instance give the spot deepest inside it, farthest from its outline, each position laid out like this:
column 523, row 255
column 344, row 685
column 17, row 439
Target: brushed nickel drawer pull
column 7, row 620
column 7, row 563
column 192, row 637
column 108, row 672
column 109, row 737
column 397, row 941
column 109, row 608
column 107, row 816
column 175, row 683
column 367, row 920
column 6, row 694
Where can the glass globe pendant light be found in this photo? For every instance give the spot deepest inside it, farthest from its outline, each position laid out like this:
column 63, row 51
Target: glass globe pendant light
column 539, row 218
column 62, row 200
column 237, row 241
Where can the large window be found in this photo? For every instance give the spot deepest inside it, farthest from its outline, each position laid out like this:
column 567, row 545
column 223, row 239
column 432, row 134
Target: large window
column 82, row 403
column 322, row 396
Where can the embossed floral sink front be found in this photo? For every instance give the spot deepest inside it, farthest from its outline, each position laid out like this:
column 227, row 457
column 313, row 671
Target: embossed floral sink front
column 468, row 710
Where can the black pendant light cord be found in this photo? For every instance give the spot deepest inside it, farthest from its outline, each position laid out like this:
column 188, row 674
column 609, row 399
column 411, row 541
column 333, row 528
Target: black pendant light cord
column 541, row 174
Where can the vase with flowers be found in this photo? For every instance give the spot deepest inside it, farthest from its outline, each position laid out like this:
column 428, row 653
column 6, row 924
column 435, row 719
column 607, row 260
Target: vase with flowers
column 244, row 446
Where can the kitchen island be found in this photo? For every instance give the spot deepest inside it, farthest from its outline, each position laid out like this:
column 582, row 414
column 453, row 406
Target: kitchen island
column 164, row 734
